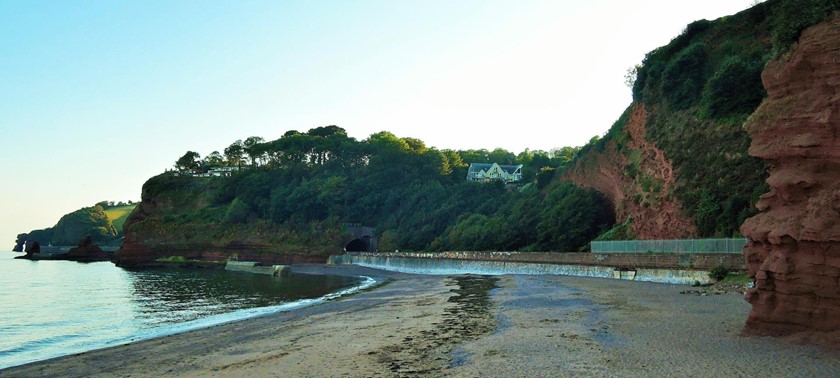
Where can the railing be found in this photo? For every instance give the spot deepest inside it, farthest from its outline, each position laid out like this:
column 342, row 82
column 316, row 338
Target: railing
column 732, row 245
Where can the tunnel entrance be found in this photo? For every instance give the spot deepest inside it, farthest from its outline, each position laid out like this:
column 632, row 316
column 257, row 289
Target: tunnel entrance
column 359, row 245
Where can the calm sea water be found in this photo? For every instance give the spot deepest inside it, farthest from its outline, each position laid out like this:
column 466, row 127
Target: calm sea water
column 55, row 308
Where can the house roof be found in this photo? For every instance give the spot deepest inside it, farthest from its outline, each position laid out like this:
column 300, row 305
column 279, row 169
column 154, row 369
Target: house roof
column 511, row 169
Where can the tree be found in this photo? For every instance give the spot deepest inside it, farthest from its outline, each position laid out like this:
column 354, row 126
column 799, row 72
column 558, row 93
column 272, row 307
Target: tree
column 235, row 152
column 631, row 75
column 188, row 161
column 326, row 131
column 565, row 154
column 249, row 147
column 502, row 156
column 570, row 217
column 214, row 159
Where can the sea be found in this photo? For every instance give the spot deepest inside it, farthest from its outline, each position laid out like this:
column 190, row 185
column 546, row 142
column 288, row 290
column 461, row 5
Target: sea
column 55, row 308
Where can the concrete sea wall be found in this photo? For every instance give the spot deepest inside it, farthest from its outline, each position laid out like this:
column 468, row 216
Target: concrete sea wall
column 646, row 267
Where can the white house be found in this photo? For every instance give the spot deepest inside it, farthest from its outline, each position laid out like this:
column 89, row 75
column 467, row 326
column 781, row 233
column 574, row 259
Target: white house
column 483, row 172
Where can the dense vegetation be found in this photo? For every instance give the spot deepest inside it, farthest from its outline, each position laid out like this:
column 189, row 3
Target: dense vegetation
column 102, row 222
column 304, row 186
column 299, row 190
column 698, row 91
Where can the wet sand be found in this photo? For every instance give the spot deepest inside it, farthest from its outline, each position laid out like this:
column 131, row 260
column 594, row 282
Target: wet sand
column 527, row 326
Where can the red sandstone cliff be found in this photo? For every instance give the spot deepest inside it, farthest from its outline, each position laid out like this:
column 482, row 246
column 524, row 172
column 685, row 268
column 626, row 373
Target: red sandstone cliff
column 794, row 248
column 655, row 213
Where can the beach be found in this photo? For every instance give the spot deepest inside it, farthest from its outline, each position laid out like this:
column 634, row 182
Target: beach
column 470, row 326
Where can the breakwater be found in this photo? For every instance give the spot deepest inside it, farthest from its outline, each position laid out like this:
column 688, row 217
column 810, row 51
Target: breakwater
column 666, row 268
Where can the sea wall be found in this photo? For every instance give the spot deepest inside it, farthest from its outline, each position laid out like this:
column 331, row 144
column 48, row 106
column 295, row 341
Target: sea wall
column 697, row 261
column 494, row 263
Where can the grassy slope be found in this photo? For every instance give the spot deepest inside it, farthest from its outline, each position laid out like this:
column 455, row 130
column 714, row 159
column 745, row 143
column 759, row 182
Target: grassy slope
column 118, row 215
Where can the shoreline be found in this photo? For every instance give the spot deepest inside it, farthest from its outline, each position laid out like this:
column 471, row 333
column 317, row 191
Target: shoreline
column 143, row 334
column 528, row 326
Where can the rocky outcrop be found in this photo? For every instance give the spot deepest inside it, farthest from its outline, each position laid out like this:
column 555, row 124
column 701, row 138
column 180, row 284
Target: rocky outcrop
column 87, row 251
column 31, row 249
column 794, row 242
column 148, row 240
column 137, row 254
column 655, row 214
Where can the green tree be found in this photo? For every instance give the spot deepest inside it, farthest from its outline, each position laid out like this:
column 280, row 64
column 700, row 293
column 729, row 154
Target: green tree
column 213, row 159
column 188, row 161
column 571, row 217
column 234, row 153
column 251, row 148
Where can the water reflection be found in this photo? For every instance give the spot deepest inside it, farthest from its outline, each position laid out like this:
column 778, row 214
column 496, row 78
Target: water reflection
column 166, row 296
column 54, row 308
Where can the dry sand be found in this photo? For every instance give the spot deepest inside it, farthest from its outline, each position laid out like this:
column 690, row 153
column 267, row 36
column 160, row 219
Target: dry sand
column 529, row 326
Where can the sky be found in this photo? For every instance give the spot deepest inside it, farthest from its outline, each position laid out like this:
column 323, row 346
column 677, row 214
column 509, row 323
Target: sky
column 98, row 96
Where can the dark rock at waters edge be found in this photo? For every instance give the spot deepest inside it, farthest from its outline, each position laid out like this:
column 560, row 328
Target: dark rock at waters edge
column 86, row 251
column 31, row 248
column 134, row 254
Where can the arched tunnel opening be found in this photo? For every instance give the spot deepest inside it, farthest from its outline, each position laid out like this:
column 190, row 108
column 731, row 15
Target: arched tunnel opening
column 359, row 245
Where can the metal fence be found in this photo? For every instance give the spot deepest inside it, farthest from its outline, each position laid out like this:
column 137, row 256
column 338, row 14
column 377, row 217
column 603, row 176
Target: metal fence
column 734, row 245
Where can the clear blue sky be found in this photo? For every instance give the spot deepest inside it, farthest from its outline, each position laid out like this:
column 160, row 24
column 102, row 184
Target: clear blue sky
column 98, row 96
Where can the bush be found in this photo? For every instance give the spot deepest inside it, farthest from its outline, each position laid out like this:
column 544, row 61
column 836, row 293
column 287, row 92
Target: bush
column 718, row 273
column 237, row 212
column 790, row 17
column 622, row 231
column 735, row 88
column 571, row 217
column 685, row 75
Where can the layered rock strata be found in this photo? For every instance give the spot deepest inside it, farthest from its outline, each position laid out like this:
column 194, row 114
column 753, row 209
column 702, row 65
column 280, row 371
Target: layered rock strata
column 794, row 242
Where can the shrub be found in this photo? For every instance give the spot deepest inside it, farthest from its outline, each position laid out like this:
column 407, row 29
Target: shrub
column 790, row 17
column 623, row 231
column 734, row 88
column 685, row 75
column 718, row 272
column 237, row 212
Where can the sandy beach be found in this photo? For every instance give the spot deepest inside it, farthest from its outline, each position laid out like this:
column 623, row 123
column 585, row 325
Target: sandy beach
column 470, row 326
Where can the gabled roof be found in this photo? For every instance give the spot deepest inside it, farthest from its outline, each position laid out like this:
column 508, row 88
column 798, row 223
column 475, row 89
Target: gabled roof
column 511, row 169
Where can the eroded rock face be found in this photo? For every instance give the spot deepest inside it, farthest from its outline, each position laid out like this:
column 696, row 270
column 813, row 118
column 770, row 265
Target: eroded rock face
column 794, row 248
column 663, row 217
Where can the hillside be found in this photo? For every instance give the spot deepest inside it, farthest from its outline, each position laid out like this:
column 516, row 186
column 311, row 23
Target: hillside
column 300, row 196
column 118, row 215
column 674, row 165
column 102, row 222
